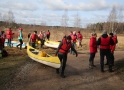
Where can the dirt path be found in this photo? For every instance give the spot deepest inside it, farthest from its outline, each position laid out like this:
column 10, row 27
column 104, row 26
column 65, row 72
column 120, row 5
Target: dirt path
column 36, row 76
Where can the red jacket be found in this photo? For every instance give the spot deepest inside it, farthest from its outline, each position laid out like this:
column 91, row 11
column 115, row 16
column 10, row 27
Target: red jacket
column 9, row 34
column 3, row 37
column 74, row 37
column 33, row 37
column 93, row 45
column 112, row 47
column 48, row 33
column 105, row 43
column 79, row 35
column 65, row 46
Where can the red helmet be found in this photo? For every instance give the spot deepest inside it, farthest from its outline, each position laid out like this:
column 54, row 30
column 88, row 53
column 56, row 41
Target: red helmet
column 20, row 29
column 78, row 31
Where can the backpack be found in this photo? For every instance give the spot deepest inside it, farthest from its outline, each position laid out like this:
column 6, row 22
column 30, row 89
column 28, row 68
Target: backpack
column 4, row 53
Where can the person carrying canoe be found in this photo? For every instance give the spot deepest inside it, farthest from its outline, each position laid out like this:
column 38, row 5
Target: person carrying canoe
column 62, row 53
column 20, row 38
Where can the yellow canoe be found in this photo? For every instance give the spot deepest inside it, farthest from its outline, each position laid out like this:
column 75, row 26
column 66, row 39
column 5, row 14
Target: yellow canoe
column 47, row 59
column 52, row 44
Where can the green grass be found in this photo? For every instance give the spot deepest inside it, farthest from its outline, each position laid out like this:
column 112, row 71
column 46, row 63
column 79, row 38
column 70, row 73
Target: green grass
column 9, row 65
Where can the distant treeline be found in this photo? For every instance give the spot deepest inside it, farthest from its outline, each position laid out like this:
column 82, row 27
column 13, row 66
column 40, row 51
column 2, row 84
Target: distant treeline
column 97, row 27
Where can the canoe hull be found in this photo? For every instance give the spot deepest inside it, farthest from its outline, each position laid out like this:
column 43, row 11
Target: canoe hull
column 48, row 60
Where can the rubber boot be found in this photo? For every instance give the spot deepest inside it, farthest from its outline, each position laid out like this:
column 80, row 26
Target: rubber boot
column 62, row 74
column 102, row 68
column 110, row 68
column 93, row 64
column 21, row 47
column 17, row 46
column 90, row 65
column 57, row 70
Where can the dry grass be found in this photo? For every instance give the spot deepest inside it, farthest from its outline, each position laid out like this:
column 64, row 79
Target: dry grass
column 10, row 65
column 58, row 33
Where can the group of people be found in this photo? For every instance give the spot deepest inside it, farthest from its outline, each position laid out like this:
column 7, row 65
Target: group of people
column 9, row 36
column 106, row 44
column 34, row 37
column 67, row 43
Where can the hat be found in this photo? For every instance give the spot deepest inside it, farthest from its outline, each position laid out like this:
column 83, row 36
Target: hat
column 93, row 34
column 68, row 38
column 20, row 29
column 104, row 32
column 111, row 34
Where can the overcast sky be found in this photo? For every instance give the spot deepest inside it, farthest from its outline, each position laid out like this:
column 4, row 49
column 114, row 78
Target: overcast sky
column 51, row 11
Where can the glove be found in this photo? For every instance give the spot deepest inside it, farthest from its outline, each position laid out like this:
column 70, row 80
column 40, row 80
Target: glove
column 76, row 54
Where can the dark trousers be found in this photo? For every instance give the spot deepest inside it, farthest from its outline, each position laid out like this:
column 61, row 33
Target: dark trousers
column 92, row 55
column 33, row 44
column 63, row 59
column 112, row 57
column 20, row 44
column 48, row 37
column 103, row 53
column 42, row 42
column 9, row 42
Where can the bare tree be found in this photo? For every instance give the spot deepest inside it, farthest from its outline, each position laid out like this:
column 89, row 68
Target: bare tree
column 120, row 20
column 11, row 18
column 112, row 19
column 64, row 22
column 77, row 21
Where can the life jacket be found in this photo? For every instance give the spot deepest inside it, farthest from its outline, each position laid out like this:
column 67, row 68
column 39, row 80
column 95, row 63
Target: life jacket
column 41, row 36
column 3, row 36
column 33, row 37
column 80, row 36
column 65, row 46
column 74, row 37
column 18, row 33
column 48, row 33
column 9, row 34
column 112, row 47
column 105, row 43
column 93, row 45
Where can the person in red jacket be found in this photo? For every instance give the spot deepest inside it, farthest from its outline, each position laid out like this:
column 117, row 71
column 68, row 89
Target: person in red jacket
column 9, row 36
column 48, row 35
column 104, row 42
column 3, row 37
column 41, row 38
column 33, row 38
column 93, row 50
column 112, row 47
column 62, row 52
column 74, row 40
column 79, row 37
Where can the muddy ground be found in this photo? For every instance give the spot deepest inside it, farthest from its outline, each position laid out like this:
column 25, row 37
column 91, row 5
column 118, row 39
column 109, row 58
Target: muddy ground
column 36, row 76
